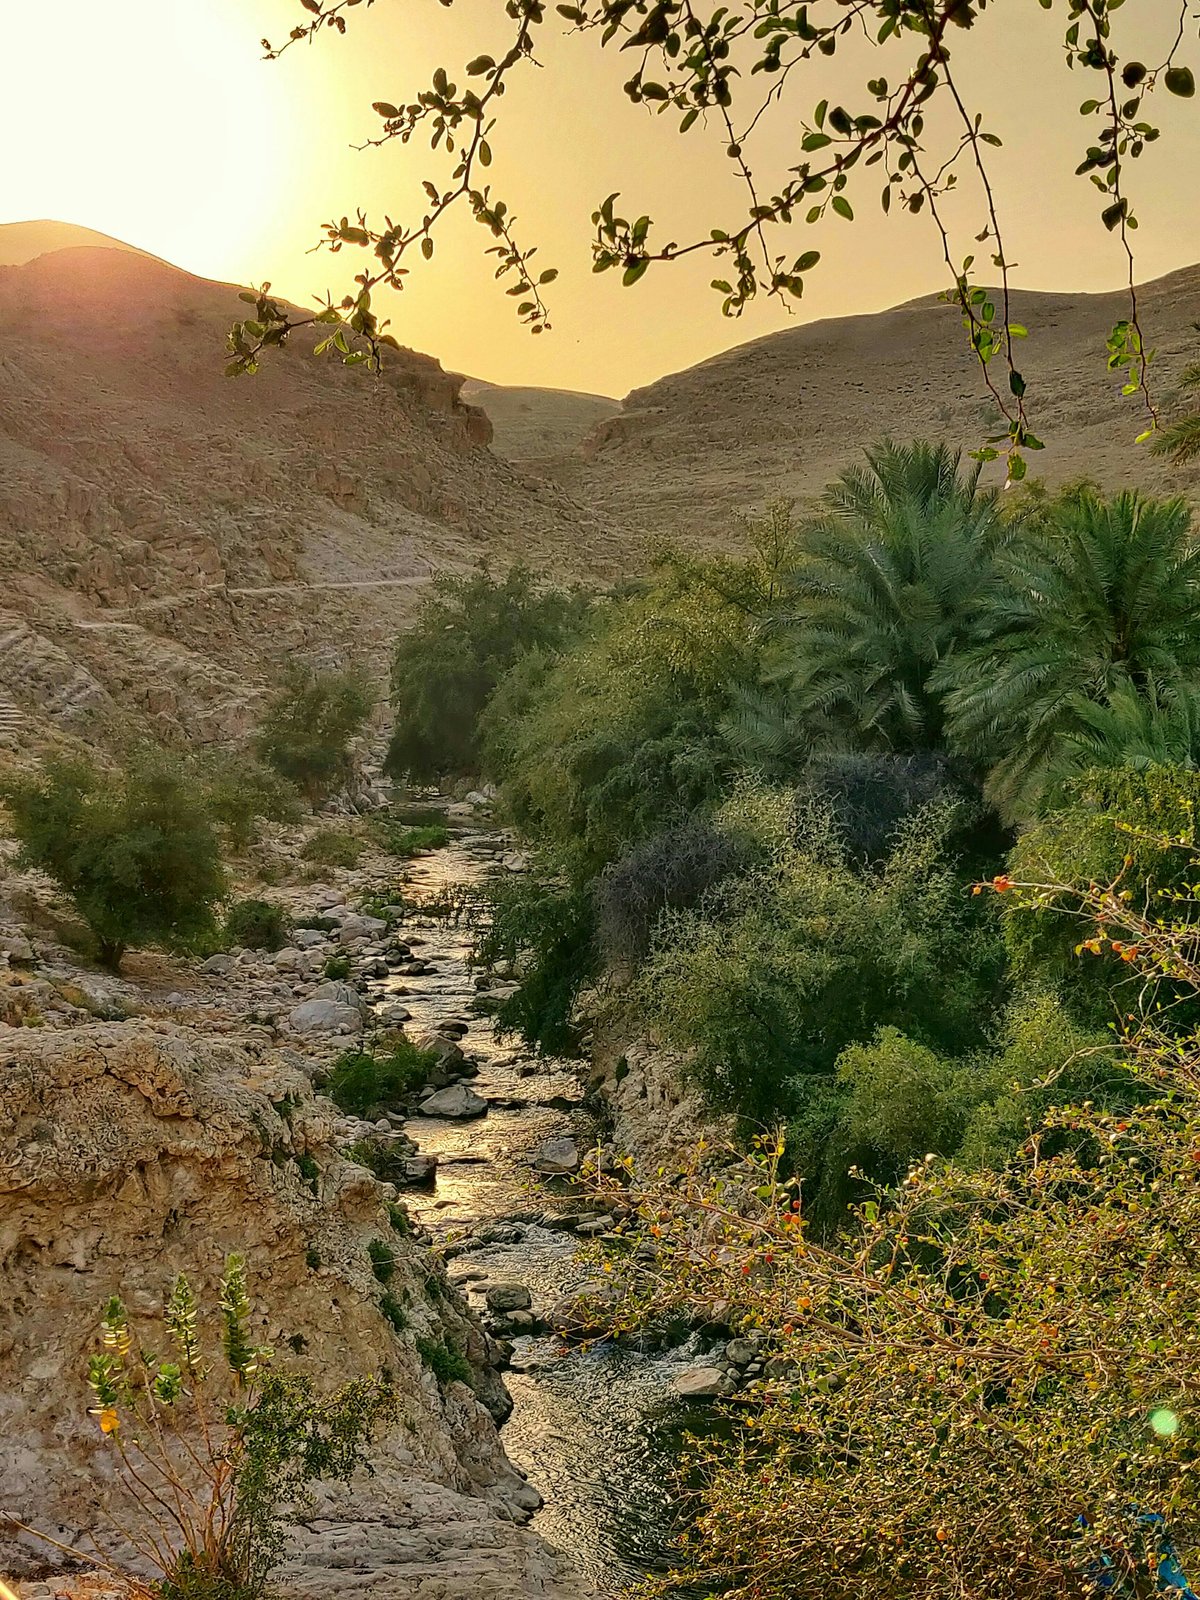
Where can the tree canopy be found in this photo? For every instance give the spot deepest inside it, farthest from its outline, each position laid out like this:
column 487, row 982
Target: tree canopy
column 719, row 71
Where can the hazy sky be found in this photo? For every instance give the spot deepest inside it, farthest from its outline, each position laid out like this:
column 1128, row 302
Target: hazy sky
column 157, row 121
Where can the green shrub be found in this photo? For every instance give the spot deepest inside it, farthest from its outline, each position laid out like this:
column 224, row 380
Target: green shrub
column 240, row 792
column 547, row 925
column 333, row 847
column 670, row 872
column 221, row 1438
column 383, row 1260
column 309, row 1171
column 257, row 925
column 412, row 841
column 399, row 1218
column 394, row 1312
column 308, row 725
column 468, row 633
column 447, row 1364
column 312, row 1258
column 337, row 967
column 135, row 851
column 365, row 1084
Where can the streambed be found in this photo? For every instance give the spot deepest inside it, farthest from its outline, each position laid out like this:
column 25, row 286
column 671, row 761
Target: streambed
column 594, row 1430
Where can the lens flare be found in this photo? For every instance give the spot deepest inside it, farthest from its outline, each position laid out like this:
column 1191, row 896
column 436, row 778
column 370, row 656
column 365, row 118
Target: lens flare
column 1164, row 1422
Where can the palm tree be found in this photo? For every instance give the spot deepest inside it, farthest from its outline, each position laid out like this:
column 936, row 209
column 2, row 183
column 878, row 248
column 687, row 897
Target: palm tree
column 1132, row 729
column 888, row 576
column 1101, row 601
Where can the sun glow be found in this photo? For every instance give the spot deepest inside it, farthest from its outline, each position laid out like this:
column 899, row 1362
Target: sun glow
column 155, row 122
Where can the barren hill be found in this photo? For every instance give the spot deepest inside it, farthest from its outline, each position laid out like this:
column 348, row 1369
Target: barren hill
column 783, row 414
column 532, row 424
column 169, row 536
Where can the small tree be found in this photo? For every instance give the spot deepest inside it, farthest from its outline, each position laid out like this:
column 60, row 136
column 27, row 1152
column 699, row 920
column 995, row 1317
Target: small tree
column 215, row 1446
column 241, row 792
column 135, row 851
column 308, row 725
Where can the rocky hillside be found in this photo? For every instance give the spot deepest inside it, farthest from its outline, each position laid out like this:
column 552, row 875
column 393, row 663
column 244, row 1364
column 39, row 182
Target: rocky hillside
column 170, row 535
column 783, row 414
column 153, row 1124
column 535, row 424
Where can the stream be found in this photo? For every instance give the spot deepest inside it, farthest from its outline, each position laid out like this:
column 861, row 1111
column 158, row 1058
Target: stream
column 593, row 1429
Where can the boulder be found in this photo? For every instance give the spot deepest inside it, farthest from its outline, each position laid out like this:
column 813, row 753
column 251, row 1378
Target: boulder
column 17, row 948
column 375, row 968
column 325, row 1016
column 741, row 1352
column 456, row 1101
column 448, row 1052
column 703, row 1383
column 218, row 966
column 307, row 938
column 341, row 994
column 558, row 1157
column 503, row 1297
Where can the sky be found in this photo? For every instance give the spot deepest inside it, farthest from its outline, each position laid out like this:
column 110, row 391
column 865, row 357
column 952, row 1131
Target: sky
column 159, row 122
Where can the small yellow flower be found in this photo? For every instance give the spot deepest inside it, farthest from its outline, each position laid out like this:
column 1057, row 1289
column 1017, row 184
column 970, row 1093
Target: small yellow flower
column 109, row 1420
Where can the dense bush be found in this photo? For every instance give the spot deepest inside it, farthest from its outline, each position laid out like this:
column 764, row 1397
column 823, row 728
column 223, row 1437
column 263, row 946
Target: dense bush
column 308, row 726
column 257, row 925
column 621, row 737
column 368, row 1083
column 469, row 632
column 134, row 850
column 333, row 847
column 399, row 838
column 544, row 927
column 447, row 1364
column 671, row 871
column 241, row 792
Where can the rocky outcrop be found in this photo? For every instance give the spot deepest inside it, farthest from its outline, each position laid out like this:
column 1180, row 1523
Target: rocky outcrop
column 655, row 1116
column 130, row 1151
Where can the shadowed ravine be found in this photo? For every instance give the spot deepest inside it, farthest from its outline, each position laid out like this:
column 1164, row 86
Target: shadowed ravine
column 593, row 1429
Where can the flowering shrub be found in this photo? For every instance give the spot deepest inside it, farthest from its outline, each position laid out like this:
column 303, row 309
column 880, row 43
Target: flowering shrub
column 991, row 1386
column 215, row 1445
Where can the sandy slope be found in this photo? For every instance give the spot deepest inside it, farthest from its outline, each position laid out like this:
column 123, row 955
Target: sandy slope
column 781, row 415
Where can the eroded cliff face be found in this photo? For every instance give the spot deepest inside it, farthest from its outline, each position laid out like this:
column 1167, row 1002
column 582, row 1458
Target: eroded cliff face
column 131, row 1151
column 168, row 536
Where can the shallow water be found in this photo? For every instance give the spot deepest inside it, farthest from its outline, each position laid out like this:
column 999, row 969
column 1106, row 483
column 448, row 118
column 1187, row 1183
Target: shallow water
column 594, row 1430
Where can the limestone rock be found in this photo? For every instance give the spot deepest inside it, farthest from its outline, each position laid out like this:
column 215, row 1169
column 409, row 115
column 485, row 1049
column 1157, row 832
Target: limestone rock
column 703, row 1383
column 458, row 1101
column 558, row 1156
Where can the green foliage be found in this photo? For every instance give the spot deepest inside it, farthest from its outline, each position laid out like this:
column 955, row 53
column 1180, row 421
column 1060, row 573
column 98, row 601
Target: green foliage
column 221, row 1438
column 337, row 967
column 383, row 1260
column 1101, row 598
column 544, row 926
column 333, row 847
column 774, row 976
column 469, row 632
column 886, row 580
column 369, row 1083
column 308, row 725
column 399, row 840
column 399, row 1218
column 1135, row 831
column 619, row 738
column 135, row 851
column 240, row 792
column 447, row 1364
column 671, row 871
column 394, row 1312
column 257, row 925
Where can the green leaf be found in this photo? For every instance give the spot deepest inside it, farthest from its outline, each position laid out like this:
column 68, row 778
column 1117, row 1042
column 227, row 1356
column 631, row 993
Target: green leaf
column 427, row 247
column 843, row 207
column 385, row 109
column 633, row 273
column 807, row 261
column 1179, row 80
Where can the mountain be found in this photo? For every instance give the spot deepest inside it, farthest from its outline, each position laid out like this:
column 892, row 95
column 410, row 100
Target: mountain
column 170, row 537
column 531, row 424
column 783, row 414
column 24, row 241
